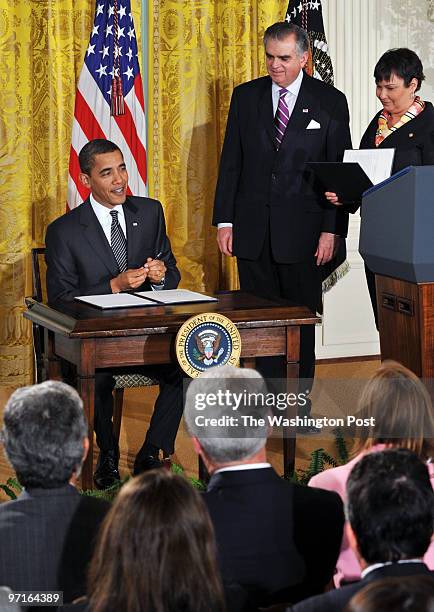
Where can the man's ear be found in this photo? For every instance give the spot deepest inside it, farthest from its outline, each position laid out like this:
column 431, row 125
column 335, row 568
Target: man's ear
column 85, row 447
column 304, row 58
column 196, row 445
column 84, row 179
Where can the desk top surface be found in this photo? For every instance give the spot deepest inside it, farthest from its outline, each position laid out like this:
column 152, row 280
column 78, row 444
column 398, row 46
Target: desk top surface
column 79, row 320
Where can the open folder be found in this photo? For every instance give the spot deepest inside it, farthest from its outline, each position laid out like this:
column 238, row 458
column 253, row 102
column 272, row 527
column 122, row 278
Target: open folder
column 145, row 298
column 360, row 170
column 347, row 180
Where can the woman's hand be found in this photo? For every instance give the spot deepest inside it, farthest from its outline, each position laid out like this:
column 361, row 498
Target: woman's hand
column 332, row 198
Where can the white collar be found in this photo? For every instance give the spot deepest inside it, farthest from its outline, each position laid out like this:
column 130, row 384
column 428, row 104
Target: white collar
column 243, row 466
column 103, row 211
column 375, row 566
column 293, row 88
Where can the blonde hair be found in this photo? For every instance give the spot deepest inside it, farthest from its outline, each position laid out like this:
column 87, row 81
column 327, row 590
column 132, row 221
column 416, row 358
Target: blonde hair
column 399, row 402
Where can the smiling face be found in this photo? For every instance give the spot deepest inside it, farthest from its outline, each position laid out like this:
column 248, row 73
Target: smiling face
column 282, row 60
column 393, row 94
column 108, row 179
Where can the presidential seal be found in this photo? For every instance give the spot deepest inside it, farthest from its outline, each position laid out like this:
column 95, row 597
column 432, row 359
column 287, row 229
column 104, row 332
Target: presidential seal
column 206, row 341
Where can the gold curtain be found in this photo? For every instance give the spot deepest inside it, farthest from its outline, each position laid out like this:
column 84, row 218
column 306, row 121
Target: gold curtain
column 42, row 46
column 199, row 50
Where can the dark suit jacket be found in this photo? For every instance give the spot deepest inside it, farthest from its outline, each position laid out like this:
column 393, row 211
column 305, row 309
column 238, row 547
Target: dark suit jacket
column 47, row 538
column 256, row 181
column 80, row 260
column 278, row 540
column 335, row 601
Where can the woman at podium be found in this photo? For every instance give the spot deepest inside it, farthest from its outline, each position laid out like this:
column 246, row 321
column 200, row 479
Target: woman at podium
column 405, row 123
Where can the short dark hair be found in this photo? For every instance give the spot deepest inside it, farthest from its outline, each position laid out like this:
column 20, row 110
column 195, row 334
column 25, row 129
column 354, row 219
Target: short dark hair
column 86, row 157
column 43, row 432
column 393, row 593
column 282, row 29
column 403, row 62
column 390, row 506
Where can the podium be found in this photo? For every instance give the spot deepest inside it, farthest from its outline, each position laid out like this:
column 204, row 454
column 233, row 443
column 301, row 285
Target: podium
column 397, row 244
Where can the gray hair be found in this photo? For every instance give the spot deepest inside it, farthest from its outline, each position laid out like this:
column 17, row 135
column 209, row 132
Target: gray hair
column 43, row 432
column 282, row 29
column 226, row 443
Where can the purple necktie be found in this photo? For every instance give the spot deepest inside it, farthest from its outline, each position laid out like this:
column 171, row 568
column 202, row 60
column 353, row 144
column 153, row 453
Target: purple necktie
column 281, row 117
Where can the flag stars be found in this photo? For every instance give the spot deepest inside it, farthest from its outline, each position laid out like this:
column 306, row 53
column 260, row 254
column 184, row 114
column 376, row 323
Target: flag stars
column 129, row 72
column 294, row 12
column 121, row 32
column 109, row 30
column 114, row 72
column 122, row 12
column 129, row 54
column 90, row 50
column 101, row 70
column 105, row 51
column 131, row 33
column 95, row 31
column 99, row 9
column 111, row 11
column 314, row 5
column 300, row 7
column 118, row 51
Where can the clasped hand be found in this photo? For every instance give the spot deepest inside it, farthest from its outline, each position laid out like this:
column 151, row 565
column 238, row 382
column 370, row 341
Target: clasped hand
column 153, row 269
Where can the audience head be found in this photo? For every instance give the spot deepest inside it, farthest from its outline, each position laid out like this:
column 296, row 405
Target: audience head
column 98, row 146
column 403, row 63
column 221, row 393
column 390, row 507
column 45, row 434
column 156, row 550
column 401, row 408
column 414, row 594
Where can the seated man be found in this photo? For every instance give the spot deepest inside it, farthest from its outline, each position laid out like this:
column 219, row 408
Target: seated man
column 112, row 243
column 278, row 540
column 390, row 512
column 47, row 533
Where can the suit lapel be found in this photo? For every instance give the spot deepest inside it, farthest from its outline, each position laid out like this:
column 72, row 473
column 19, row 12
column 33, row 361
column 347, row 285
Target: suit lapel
column 133, row 225
column 94, row 234
column 265, row 109
column 304, row 111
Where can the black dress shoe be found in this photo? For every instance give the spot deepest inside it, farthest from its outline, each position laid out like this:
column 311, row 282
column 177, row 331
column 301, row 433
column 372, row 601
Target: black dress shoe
column 107, row 473
column 143, row 464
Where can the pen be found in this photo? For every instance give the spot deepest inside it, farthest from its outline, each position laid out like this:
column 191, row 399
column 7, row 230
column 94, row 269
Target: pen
column 158, row 255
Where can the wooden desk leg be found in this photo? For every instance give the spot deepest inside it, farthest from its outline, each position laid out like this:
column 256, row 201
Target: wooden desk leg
column 292, row 368
column 248, row 362
column 52, row 362
column 86, row 389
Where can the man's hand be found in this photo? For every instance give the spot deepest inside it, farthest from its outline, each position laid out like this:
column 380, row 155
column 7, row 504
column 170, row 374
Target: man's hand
column 156, row 270
column 224, row 240
column 326, row 248
column 130, row 279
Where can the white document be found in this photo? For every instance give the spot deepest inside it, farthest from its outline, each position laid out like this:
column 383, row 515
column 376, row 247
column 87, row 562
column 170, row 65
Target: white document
column 175, row 296
column 114, row 300
column 376, row 163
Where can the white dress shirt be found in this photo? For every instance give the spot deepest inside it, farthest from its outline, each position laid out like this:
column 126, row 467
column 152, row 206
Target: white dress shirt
column 290, row 99
column 104, row 217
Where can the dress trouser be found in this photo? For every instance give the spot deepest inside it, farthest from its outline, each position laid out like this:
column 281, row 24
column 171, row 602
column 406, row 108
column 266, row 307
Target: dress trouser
column 299, row 282
column 370, row 279
column 167, row 410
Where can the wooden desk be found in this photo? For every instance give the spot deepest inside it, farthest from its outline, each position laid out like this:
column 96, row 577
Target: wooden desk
column 91, row 338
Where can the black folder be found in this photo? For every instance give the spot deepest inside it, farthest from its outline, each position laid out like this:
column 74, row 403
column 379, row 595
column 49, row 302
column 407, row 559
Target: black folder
column 348, row 180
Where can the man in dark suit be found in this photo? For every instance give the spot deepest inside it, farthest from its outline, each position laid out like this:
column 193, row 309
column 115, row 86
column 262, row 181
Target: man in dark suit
column 114, row 242
column 269, row 210
column 278, row 540
column 47, row 534
column 390, row 511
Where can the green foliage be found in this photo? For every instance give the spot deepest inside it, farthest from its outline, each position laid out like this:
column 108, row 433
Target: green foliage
column 195, row 482
column 107, row 494
column 12, row 488
column 319, row 459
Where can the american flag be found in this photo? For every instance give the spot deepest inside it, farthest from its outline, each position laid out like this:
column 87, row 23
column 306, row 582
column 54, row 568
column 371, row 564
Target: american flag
column 112, row 52
column 308, row 15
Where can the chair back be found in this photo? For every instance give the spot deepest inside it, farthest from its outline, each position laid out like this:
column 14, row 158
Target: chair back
column 39, row 294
